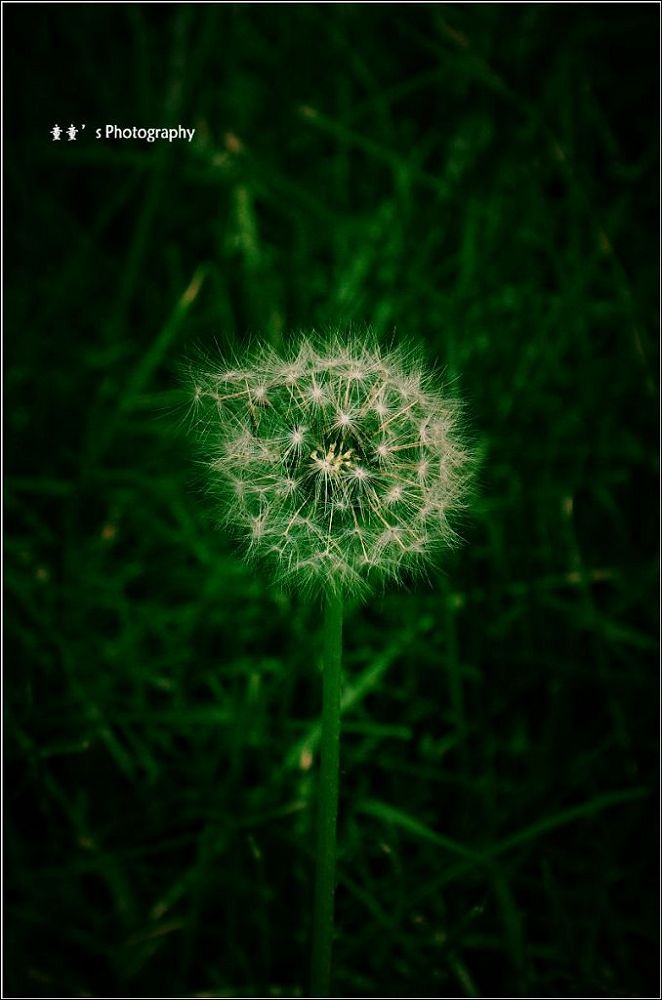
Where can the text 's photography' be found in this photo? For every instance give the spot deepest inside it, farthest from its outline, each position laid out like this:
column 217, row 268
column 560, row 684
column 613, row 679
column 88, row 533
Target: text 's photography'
column 116, row 132
column 331, row 500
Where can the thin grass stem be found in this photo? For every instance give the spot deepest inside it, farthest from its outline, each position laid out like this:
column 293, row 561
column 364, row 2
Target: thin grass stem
column 325, row 875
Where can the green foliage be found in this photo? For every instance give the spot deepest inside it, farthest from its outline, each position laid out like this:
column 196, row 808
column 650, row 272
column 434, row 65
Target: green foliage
column 482, row 178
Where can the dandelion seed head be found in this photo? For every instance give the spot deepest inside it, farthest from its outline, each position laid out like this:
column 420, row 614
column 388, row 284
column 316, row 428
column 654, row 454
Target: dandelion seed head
column 315, row 394
column 259, row 394
column 423, row 469
column 383, row 450
column 340, row 463
column 358, row 474
column 394, row 494
column 344, row 421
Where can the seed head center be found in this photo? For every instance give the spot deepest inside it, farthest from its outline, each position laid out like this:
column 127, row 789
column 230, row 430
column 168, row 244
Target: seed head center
column 334, row 462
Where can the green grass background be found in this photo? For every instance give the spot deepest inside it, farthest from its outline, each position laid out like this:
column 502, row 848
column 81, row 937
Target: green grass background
column 482, row 178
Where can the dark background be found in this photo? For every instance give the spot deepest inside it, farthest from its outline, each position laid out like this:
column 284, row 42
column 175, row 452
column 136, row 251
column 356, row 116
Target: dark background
column 484, row 179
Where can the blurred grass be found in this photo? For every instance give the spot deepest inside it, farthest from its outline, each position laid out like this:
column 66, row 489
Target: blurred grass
column 480, row 177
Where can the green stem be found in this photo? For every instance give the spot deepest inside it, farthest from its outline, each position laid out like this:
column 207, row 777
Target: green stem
column 325, row 874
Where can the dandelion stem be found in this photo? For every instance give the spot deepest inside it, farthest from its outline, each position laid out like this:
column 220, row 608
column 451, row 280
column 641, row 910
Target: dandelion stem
column 325, row 876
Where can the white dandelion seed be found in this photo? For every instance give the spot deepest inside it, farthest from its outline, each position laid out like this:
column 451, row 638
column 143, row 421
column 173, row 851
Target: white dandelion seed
column 340, row 463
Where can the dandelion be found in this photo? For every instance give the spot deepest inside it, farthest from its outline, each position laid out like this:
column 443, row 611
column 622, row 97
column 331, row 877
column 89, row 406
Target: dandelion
column 358, row 442
column 339, row 466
